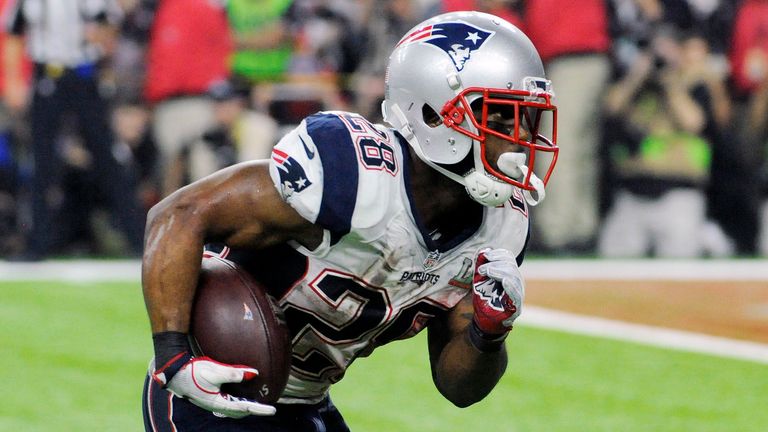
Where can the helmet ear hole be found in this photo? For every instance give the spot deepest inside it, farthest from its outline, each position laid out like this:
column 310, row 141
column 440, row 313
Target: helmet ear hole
column 430, row 116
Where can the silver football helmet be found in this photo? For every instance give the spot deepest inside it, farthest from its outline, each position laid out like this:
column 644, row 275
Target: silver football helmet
column 459, row 78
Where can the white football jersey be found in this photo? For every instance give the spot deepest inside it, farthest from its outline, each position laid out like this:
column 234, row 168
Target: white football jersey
column 377, row 276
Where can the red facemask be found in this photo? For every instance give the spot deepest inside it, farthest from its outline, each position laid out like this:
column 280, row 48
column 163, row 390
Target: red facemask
column 522, row 112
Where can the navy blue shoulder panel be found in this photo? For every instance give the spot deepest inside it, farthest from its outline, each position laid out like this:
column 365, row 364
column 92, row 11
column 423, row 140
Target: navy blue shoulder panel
column 340, row 176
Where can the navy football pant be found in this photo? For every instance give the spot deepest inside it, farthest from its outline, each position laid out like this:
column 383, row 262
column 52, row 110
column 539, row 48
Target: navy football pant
column 164, row 412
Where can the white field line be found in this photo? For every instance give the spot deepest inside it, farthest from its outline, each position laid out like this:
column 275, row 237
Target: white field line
column 643, row 334
column 72, row 271
column 647, row 269
column 723, row 270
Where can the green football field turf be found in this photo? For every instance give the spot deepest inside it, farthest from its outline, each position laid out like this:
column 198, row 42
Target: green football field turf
column 73, row 356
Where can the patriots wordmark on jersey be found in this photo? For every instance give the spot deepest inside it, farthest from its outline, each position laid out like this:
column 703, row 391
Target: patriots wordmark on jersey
column 377, row 276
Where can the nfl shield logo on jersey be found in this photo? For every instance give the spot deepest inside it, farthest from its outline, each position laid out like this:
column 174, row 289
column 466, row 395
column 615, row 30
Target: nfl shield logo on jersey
column 432, row 259
column 457, row 39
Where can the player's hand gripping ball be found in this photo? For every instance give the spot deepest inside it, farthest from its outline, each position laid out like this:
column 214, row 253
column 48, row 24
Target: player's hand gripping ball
column 241, row 346
column 235, row 322
column 498, row 291
column 200, row 380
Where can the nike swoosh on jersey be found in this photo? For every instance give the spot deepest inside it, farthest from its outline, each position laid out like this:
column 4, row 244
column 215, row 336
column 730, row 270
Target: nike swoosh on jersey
column 310, row 153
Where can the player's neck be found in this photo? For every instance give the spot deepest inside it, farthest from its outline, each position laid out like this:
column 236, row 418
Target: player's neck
column 436, row 195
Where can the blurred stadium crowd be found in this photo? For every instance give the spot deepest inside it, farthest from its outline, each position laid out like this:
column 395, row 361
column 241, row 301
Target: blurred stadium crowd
column 663, row 112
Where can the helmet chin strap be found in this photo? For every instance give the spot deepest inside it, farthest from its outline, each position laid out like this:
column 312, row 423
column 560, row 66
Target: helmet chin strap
column 482, row 187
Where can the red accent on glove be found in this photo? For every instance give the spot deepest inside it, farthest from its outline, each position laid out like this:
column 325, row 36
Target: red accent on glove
column 166, row 372
column 488, row 319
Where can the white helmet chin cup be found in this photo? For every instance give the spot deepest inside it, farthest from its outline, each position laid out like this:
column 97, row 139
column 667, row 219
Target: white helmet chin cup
column 487, row 190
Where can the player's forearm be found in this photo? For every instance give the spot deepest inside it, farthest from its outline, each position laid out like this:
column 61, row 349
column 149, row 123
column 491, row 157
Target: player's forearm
column 171, row 265
column 465, row 375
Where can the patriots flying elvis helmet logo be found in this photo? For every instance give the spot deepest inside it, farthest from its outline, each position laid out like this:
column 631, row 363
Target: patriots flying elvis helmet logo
column 457, row 39
column 293, row 179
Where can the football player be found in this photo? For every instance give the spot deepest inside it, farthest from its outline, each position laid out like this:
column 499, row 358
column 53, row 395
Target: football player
column 364, row 234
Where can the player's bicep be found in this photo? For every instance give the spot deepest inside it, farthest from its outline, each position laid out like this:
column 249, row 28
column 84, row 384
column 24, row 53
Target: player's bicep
column 239, row 206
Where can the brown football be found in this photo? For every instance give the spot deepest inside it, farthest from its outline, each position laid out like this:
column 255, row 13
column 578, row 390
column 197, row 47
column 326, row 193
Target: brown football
column 234, row 321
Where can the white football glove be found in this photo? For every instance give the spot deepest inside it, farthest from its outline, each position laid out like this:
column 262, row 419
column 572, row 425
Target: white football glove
column 200, row 380
column 499, row 291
